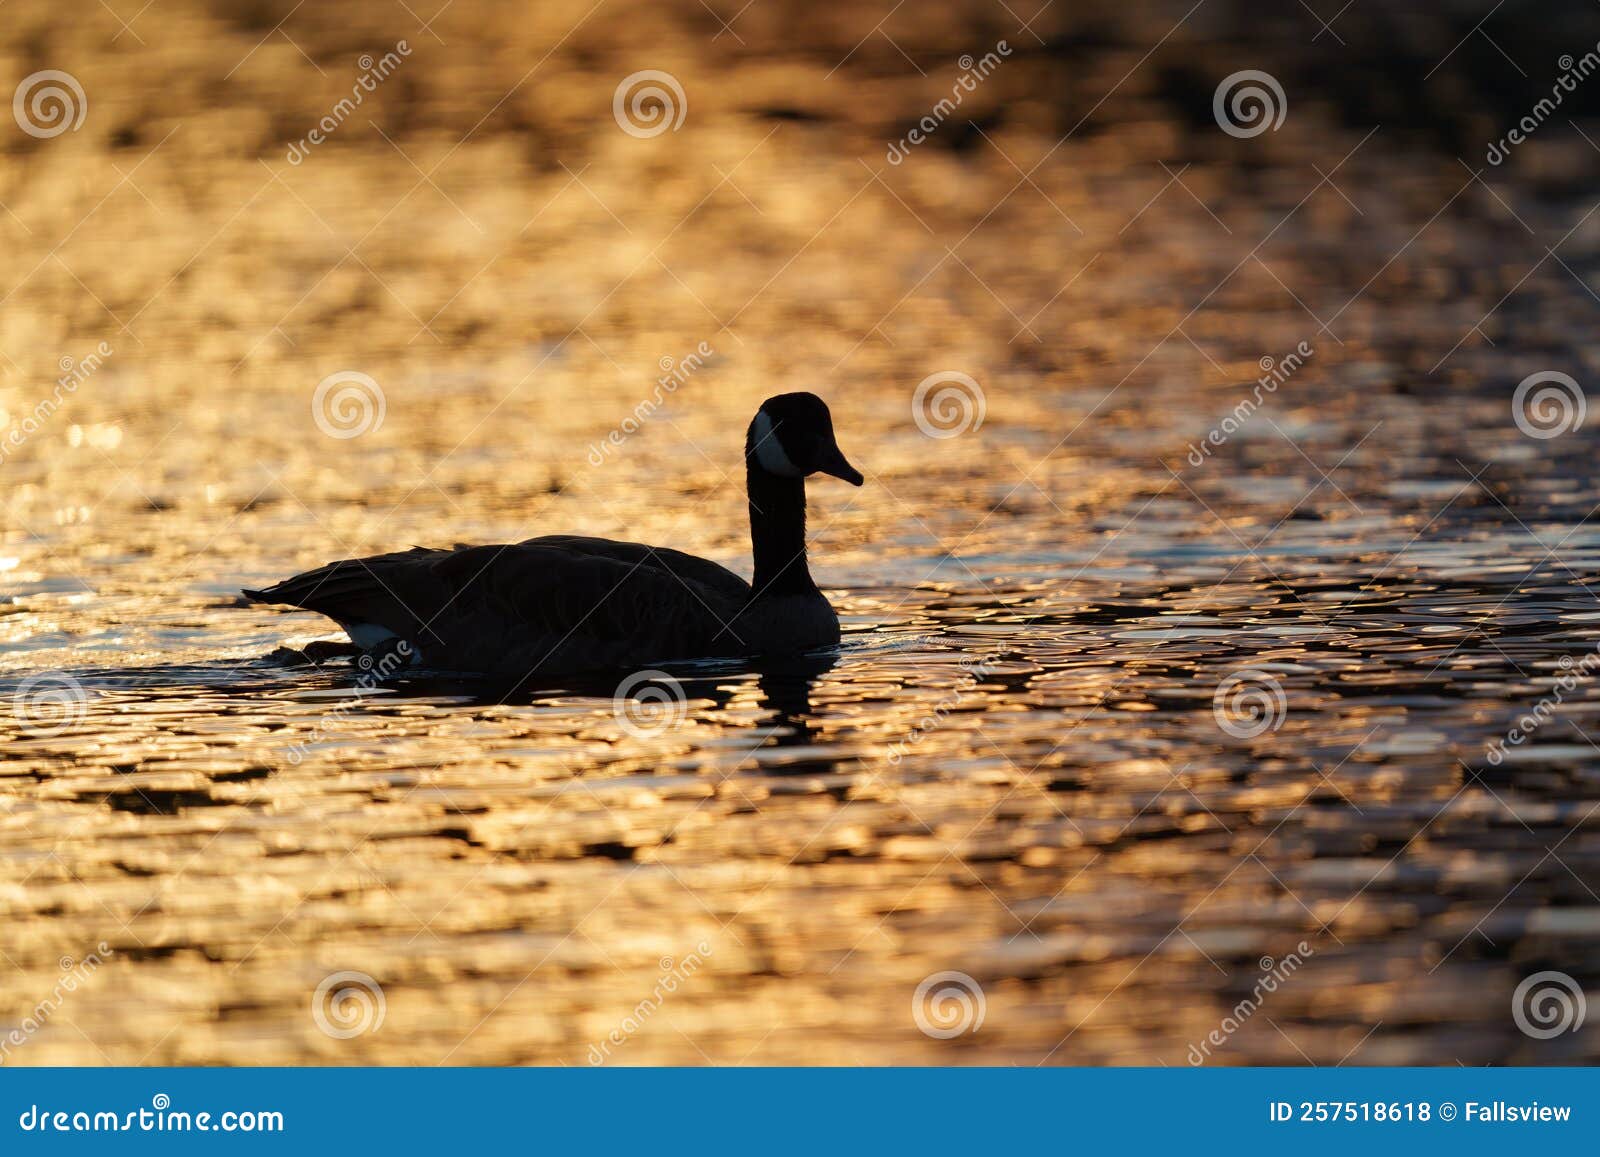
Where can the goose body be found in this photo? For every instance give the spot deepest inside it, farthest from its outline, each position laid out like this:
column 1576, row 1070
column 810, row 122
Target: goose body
column 564, row 603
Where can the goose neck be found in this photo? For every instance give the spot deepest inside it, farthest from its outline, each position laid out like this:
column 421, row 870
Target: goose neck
column 778, row 532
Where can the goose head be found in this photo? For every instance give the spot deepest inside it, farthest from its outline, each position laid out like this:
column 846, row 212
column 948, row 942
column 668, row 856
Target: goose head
column 792, row 436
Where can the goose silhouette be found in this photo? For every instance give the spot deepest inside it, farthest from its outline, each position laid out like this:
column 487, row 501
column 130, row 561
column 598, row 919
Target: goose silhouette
column 562, row 603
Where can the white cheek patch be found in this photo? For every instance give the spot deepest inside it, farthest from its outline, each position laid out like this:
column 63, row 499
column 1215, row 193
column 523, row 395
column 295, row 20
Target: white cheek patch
column 769, row 451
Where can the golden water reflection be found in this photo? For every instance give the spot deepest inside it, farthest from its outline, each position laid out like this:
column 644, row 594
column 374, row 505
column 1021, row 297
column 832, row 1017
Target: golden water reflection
column 1012, row 769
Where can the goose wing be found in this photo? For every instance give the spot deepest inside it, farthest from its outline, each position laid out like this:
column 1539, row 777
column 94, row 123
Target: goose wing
column 558, row 602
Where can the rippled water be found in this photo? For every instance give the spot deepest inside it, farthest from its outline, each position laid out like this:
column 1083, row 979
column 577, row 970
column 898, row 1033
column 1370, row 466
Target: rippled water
column 1117, row 729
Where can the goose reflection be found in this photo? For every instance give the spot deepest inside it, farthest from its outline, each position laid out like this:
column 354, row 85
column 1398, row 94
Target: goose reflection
column 652, row 700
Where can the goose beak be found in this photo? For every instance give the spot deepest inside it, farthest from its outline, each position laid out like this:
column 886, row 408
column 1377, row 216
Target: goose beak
column 833, row 463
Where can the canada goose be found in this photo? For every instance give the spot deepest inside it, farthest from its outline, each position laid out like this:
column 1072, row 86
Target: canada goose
column 562, row 604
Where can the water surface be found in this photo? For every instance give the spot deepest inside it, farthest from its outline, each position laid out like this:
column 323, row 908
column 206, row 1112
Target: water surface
column 1117, row 727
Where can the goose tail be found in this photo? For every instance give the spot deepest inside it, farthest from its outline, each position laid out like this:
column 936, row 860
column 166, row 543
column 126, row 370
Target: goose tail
column 289, row 592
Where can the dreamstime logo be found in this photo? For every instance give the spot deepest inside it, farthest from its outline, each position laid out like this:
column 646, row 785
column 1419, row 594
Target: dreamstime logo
column 1548, row 1004
column 155, row 1119
column 1274, row 372
column 73, row 374
column 674, row 973
column 979, row 669
column 49, row 103
column 373, row 73
column 375, row 668
column 1572, row 72
column 49, row 703
column 1274, row 975
column 1248, row 103
column 948, row 1004
column 649, row 703
column 1548, row 404
column 74, row 973
column 348, row 404
column 1248, row 703
column 1572, row 676
column 648, row 103
column 948, row 404
column 347, row 1004
column 673, row 375
column 973, row 73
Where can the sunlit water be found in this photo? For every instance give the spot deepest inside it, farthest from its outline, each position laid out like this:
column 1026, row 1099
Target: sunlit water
column 1018, row 767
